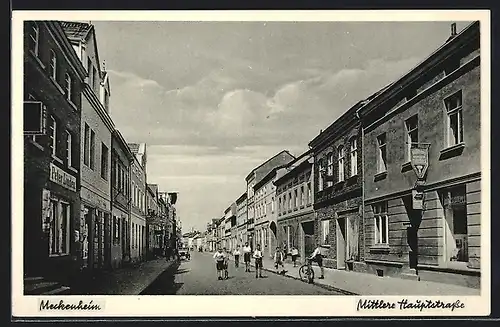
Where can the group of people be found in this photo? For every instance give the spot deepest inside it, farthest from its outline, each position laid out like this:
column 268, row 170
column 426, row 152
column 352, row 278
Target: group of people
column 221, row 257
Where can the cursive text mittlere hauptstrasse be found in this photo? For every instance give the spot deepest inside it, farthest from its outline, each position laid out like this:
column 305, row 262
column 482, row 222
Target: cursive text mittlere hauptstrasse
column 405, row 304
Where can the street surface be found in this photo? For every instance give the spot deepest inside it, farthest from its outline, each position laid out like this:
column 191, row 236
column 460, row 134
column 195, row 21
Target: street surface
column 199, row 277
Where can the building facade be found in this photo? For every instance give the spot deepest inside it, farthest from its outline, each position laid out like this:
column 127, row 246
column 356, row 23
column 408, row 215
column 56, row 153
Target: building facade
column 338, row 192
column 266, row 213
column 54, row 78
column 254, row 177
column 295, row 199
column 153, row 226
column 95, row 157
column 121, row 159
column 241, row 219
column 426, row 228
column 137, row 211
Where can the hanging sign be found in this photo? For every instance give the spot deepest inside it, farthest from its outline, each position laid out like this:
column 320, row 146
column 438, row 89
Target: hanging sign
column 420, row 159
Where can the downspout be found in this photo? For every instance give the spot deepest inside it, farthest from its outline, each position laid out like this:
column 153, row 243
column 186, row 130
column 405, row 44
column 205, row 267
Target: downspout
column 362, row 181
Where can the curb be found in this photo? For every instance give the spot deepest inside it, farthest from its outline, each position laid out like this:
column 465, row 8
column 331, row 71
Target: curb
column 325, row 286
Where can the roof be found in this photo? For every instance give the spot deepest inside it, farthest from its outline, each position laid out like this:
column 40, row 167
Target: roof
column 268, row 177
column 121, row 139
column 76, row 30
column 242, row 197
column 134, row 147
column 262, row 164
column 293, row 166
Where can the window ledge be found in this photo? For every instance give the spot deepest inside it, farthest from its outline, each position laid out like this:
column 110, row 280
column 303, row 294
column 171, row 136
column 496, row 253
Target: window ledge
column 380, row 248
column 36, row 144
column 452, row 151
column 380, row 176
column 352, row 177
column 406, row 167
column 73, row 169
column 37, row 59
column 72, row 104
column 56, row 85
column 57, row 159
column 339, row 183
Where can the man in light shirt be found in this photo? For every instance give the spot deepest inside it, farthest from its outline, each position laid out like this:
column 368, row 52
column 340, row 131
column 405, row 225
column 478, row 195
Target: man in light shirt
column 258, row 262
column 219, row 257
column 237, row 254
column 247, row 250
column 318, row 257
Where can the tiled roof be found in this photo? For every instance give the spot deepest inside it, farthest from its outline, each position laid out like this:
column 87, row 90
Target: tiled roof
column 134, row 147
column 76, row 30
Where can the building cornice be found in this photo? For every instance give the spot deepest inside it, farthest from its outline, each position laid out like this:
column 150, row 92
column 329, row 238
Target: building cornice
column 99, row 108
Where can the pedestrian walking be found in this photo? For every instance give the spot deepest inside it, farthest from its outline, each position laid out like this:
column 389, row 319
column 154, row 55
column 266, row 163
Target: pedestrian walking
column 285, row 250
column 257, row 254
column 219, row 263
column 278, row 260
column 247, row 250
column 226, row 263
column 318, row 257
column 236, row 254
column 295, row 254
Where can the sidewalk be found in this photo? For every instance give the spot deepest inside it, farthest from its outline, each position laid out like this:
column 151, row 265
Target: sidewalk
column 124, row 281
column 355, row 283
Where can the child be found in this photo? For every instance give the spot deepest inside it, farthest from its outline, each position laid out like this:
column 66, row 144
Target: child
column 295, row 254
column 236, row 254
column 219, row 257
column 246, row 256
column 278, row 260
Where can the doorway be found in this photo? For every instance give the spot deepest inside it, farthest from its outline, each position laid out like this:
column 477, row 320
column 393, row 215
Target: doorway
column 341, row 243
column 415, row 218
column 309, row 244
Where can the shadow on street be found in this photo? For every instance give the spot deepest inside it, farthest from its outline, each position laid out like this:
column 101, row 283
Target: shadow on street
column 165, row 283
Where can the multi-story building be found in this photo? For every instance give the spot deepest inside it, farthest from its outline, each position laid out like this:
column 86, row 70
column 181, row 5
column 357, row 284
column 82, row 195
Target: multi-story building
column 295, row 198
column 229, row 217
column 266, row 213
column 241, row 219
column 95, row 157
column 138, row 210
column 220, row 231
column 153, row 225
column 53, row 82
column 338, row 183
column 121, row 159
column 254, row 177
column 426, row 224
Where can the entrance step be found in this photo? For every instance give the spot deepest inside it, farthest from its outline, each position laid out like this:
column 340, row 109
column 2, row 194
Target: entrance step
column 58, row 291
column 40, row 286
column 31, row 280
column 409, row 275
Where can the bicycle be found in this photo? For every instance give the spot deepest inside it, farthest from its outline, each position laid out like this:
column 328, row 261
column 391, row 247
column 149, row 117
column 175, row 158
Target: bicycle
column 306, row 272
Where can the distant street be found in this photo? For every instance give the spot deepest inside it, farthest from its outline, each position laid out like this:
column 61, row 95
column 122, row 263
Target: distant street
column 198, row 277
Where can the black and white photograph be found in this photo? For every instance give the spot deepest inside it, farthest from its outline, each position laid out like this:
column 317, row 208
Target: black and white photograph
column 269, row 164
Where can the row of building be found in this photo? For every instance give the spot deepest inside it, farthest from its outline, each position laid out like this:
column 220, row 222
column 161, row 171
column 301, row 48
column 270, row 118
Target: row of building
column 392, row 187
column 88, row 203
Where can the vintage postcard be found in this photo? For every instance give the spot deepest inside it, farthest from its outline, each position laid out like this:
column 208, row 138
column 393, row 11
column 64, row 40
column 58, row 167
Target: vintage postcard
column 251, row 163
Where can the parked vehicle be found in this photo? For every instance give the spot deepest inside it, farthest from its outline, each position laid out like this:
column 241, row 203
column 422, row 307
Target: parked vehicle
column 184, row 254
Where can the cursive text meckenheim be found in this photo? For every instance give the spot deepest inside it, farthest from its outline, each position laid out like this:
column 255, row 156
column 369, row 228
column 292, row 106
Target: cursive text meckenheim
column 90, row 306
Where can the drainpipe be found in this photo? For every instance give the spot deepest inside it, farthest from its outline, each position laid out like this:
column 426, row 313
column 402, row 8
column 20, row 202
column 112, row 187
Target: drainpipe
column 362, row 181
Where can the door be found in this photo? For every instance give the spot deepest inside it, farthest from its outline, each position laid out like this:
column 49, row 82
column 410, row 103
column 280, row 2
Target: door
column 87, row 249
column 341, row 243
column 415, row 218
column 309, row 241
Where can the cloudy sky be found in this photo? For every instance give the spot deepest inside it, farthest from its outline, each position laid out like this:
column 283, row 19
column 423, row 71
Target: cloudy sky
column 214, row 100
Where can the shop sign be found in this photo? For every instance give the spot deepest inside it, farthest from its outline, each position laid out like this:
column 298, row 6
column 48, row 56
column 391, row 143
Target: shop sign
column 420, row 159
column 59, row 176
column 418, row 200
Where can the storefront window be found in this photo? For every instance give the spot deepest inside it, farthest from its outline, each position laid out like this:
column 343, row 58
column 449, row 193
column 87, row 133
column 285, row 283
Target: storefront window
column 59, row 228
column 455, row 212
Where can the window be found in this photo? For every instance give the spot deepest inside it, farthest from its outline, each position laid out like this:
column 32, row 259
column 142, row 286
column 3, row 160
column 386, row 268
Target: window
column 320, row 175
column 288, row 237
column 53, row 65
column 302, row 195
column 90, row 70
column 309, row 193
column 290, row 201
column 354, row 156
column 382, row 153
column 69, row 149
column 86, row 145
column 53, row 135
column 325, row 232
column 330, row 168
column 455, row 213
column 104, row 161
column 411, row 135
column 341, row 163
column 272, row 205
column 454, row 124
column 92, row 149
column 37, row 138
column 95, row 78
column 296, row 199
column 68, row 86
column 59, row 232
column 116, row 229
column 381, row 223
column 106, row 100
column 279, row 205
column 34, row 38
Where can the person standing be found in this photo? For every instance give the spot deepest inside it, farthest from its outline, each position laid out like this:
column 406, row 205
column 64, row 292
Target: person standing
column 257, row 254
column 318, row 257
column 247, row 250
column 295, row 254
column 278, row 260
column 236, row 254
column 219, row 263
